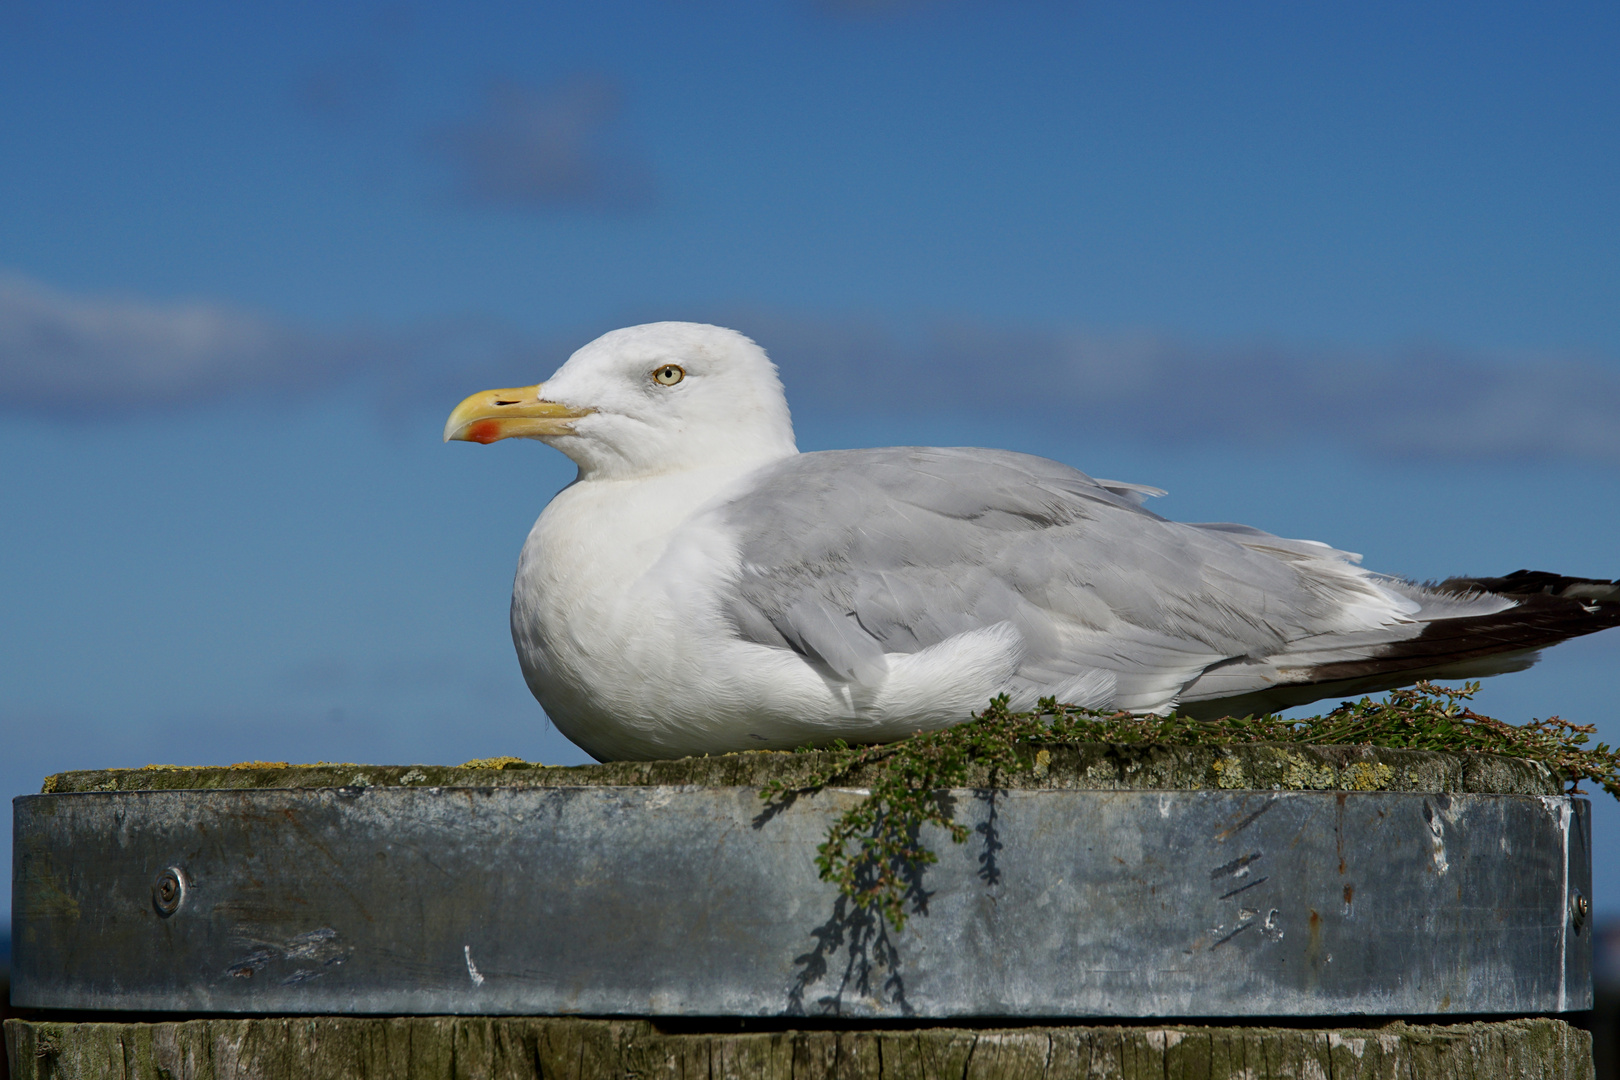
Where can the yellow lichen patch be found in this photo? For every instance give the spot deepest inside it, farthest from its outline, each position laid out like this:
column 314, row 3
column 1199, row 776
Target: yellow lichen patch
column 1303, row 775
column 259, row 765
column 1364, row 777
column 1229, row 773
column 163, row 768
column 507, row 762
column 1043, row 762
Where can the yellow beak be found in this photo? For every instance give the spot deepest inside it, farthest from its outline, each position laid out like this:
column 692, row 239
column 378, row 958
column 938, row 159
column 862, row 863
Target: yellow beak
column 492, row 415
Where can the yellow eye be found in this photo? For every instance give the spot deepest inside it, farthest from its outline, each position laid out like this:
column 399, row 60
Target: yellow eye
column 669, row 375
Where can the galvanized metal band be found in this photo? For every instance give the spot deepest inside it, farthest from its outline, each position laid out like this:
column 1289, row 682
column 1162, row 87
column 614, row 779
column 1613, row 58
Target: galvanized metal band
column 688, row 901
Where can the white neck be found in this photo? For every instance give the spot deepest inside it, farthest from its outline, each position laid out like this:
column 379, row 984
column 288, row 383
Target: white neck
column 604, row 453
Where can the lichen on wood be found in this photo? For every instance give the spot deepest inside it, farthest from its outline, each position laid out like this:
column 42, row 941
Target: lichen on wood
column 529, row 1048
column 1093, row 766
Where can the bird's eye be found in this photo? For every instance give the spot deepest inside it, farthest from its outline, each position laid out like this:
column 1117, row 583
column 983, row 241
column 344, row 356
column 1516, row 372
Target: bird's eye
column 669, row 375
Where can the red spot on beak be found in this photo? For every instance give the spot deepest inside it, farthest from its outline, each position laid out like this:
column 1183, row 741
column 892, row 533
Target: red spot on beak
column 484, row 431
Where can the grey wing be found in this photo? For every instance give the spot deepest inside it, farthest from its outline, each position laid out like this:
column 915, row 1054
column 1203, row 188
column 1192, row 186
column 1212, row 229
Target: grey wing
column 846, row 556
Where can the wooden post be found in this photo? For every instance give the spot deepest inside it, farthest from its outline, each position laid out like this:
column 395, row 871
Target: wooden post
column 365, row 889
column 514, row 1048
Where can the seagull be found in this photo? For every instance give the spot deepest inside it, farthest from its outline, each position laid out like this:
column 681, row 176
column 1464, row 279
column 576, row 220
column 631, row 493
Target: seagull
column 703, row 587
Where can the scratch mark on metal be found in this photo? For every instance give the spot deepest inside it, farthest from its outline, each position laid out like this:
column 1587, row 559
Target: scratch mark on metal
column 1338, row 829
column 253, row 961
column 1246, row 822
column 1437, row 842
column 472, row 968
column 1240, row 928
column 1244, row 888
column 1238, row 867
column 320, row 946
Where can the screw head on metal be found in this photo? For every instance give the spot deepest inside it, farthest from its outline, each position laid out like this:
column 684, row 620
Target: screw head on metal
column 1579, row 907
column 169, row 891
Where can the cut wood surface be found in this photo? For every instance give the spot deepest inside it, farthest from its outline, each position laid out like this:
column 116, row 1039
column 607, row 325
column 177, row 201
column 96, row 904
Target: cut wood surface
column 1091, row 766
column 478, row 1048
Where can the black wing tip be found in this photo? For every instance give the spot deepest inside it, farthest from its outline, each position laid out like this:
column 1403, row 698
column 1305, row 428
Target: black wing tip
column 1536, row 583
column 1547, row 609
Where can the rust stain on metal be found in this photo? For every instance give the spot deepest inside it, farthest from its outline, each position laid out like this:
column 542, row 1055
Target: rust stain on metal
column 1246, row 821
column 291, row 814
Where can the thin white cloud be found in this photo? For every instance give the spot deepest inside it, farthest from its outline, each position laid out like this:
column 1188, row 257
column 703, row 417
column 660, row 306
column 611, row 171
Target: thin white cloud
column 1417, row 402
column 116, row 354
column 108, row 355
column 65, row 355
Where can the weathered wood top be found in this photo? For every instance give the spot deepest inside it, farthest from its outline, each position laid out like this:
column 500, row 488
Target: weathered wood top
column 512, row 1048
column 1092, row 766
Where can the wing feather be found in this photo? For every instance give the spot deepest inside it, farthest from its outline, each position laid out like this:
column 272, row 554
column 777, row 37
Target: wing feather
column 846, row 556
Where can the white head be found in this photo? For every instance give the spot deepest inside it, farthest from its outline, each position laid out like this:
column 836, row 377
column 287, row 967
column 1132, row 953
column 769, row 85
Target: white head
column 663, row 397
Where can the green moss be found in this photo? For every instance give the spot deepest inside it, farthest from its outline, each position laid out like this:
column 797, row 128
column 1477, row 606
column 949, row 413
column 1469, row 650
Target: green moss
column 1423, row 740
column 873, row 851
column 1098, row 766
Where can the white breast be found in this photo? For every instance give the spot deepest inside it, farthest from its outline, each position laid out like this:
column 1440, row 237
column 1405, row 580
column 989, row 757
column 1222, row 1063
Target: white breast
column 615, row 623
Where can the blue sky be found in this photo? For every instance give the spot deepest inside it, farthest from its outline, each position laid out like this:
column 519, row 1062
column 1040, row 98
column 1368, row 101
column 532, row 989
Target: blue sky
column 1349, row 273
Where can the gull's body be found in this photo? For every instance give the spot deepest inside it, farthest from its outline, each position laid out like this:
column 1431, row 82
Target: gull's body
column 704, row 587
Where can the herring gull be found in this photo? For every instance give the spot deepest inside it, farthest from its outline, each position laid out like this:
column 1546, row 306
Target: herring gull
column 704, row 587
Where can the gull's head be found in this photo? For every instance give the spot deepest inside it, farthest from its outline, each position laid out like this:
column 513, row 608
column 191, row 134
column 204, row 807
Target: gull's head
column 663, row 397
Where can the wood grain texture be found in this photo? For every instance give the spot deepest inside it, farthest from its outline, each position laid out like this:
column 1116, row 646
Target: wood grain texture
column 522, row 1048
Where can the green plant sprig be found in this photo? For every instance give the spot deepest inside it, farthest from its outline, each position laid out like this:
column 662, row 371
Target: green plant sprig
column 873, row 851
